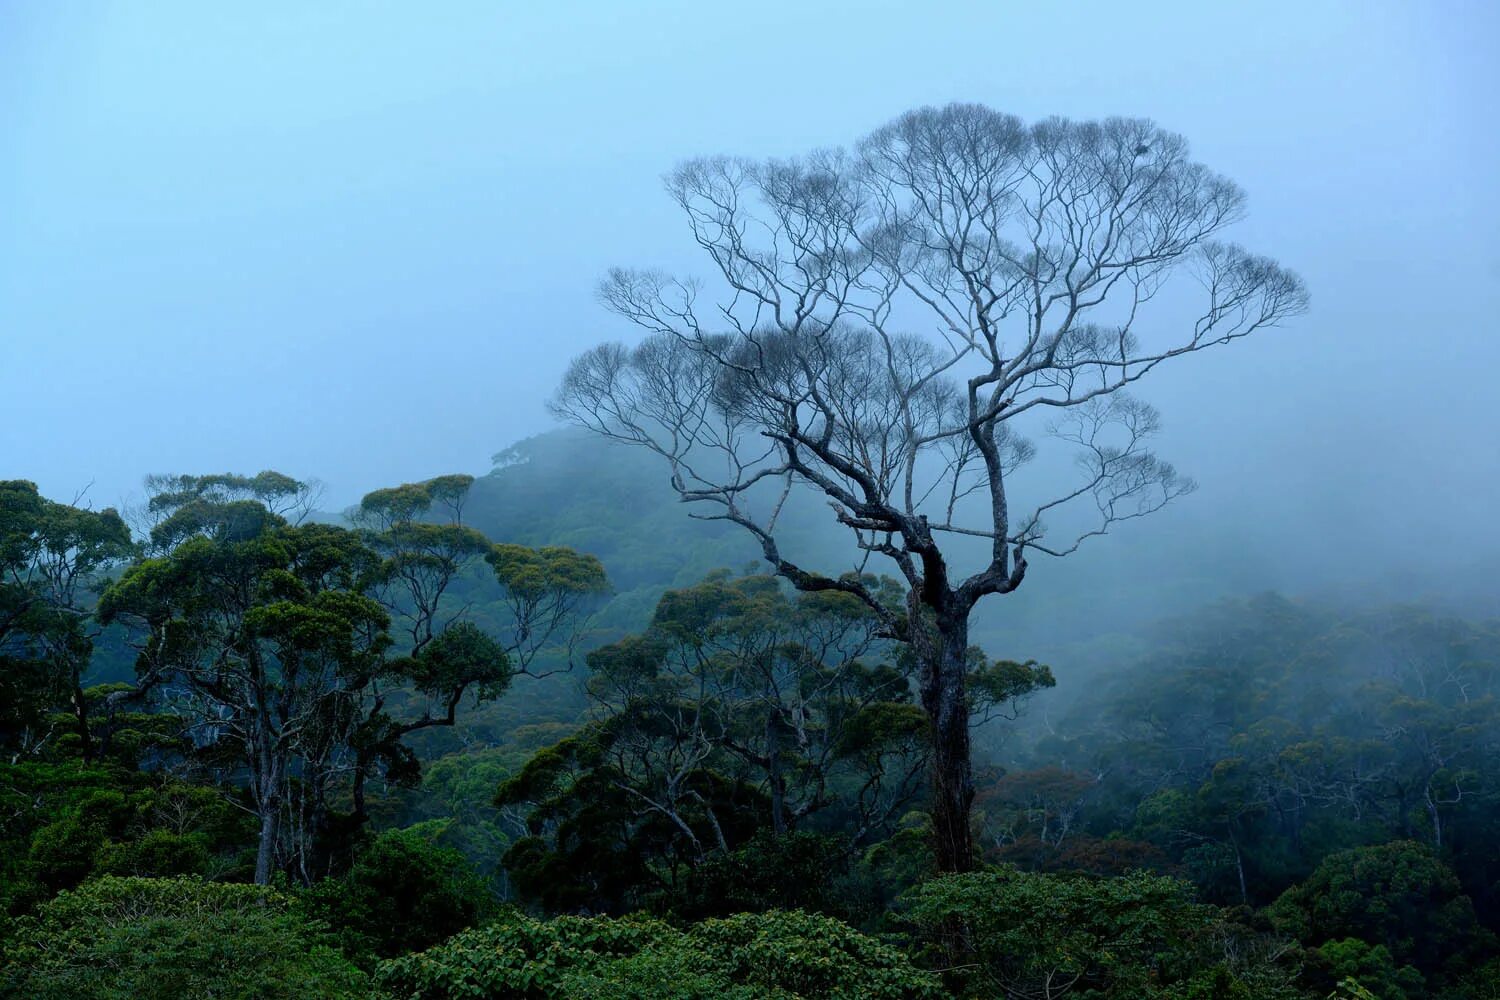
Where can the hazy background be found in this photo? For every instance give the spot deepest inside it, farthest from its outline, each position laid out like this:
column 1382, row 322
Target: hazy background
column 360, row 242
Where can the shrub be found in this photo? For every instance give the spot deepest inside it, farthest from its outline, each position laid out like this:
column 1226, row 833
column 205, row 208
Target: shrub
column 404, row 893
column 770, row 956
column 143, row 939
column 1133, row 937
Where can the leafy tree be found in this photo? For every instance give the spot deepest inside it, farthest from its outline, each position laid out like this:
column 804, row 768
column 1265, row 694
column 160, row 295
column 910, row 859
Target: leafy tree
column 1351, row 960
column 162, row 939
column 65, row 821
column 799, row 870
column 258, row 630
column 181, row 506
column 1397, row 896
column 458, row 790
column 1007, row 933
column 1029, row 254
column 1481, row 984
column 51, row 557
column 776, row 692
column 593, row 844
column 740, row 707
column 543, row 590
column 404, row 893
column 271, row 635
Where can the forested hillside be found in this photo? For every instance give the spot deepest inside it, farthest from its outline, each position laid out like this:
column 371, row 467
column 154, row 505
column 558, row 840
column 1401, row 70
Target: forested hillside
column 993, row 501
column 1259, row 797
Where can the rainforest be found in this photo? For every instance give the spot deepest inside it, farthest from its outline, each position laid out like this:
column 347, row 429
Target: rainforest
column 676, row 502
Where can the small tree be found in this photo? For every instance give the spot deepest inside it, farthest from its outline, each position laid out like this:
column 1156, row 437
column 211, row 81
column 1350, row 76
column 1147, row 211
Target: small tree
column 894, row 317
column 545, row 593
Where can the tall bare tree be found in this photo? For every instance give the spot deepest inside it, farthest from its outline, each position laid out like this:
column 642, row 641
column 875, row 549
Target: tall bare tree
column 893, row 317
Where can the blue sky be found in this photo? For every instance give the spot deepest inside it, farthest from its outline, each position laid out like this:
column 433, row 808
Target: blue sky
column 360, row 241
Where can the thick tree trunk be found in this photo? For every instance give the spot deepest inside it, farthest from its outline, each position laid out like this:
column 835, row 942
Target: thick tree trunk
column 945, row 700
column 268, row 804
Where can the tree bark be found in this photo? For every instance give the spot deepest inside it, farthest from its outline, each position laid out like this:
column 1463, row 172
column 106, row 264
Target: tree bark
column 945, row 700
column 268, row 804
column 264, row 854
column 775, row 778
column 81, row 717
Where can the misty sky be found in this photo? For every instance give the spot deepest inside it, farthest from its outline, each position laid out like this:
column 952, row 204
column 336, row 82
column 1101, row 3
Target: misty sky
column 360, row 241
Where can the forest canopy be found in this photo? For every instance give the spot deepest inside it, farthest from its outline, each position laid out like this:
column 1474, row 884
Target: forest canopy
column 1260, row 798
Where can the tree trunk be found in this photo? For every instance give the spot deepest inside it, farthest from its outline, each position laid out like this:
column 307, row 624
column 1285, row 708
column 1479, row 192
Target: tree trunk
column 361, row 772
column 268, row 804
column 264, row 854
column 945, row 700
column 775, row 778
column 81, row 717
column 1437, row 819
column 1239, row 867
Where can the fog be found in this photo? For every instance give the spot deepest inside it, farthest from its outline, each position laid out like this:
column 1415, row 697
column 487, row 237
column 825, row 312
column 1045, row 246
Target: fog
column 361, row 244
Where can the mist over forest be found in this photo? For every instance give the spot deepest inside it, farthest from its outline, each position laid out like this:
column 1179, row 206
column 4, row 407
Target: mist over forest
column 825, row 501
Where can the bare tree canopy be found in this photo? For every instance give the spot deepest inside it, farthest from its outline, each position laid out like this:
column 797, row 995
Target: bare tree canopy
column 892, row 315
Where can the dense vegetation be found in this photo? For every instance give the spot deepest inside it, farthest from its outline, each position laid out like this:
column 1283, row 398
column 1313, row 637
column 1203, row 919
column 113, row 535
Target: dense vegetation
column 505, row 738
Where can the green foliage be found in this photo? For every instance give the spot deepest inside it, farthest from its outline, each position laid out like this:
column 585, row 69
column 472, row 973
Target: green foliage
column 400, row 505
column 459, row 789
column 163, row 939
column 1350, row 989
column 458, row 658
column 532, row 574
column 799, row 870
column 285, row 629
column 397, row 504
column 742, row 708
column 1004, row 932
column 1398, row 897
column 64, row 822
column 1352, row 961
column 272, row 631
column 403, row 893
column 1482, row 983
column 997, row 685
column 51, row 558
column 593, row 845
column 776, row 956
column 225, row 505
column 518, row 957
column 1254, row 738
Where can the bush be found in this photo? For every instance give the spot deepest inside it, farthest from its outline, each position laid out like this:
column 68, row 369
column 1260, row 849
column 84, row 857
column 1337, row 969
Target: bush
column 770, row 956
column 1132, row 937
column 157, row 853
column 803, row 871
column 1353, row 960
column 143, row 939
column 67, row 822
column 403, row 894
